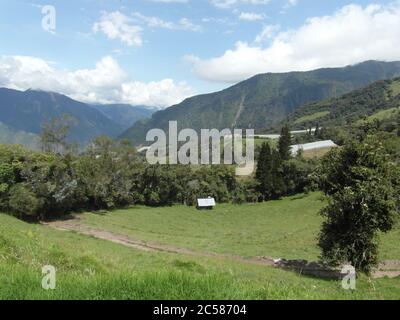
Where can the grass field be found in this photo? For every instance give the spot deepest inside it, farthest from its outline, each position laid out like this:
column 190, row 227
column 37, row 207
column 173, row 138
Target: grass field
column 88, row 268
column 312, row 117
column 381, row 115
column 316, row 153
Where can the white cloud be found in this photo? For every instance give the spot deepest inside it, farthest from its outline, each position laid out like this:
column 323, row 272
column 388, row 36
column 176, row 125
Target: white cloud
column 225, row 4
column 292, row 3
column 289, row 4
column 155, row 22
column 162, row 93
column 251, row 16
column 350, row 35
column 267, row 33
column 116, row 25
column 106, row 83
column 170, row 1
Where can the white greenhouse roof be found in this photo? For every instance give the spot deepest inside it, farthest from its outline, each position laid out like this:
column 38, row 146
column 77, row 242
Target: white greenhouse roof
column 313, row 146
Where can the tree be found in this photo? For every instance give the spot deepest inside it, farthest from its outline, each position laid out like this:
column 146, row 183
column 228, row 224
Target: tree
column 269, row 173
column 284, row 144
column 358, row 179
column 278, row 184
column 317, row 131
column 54, row 134
column 264, row 171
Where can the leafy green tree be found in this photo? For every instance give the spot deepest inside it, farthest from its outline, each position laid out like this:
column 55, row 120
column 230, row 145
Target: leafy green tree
column 284, row 143
column 363, row 201
column 53, row 138
column 105, row 172
column 296, row 175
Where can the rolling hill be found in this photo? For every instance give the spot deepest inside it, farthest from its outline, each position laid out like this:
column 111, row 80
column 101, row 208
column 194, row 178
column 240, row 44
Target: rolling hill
column 380, row 101
column 262, row 101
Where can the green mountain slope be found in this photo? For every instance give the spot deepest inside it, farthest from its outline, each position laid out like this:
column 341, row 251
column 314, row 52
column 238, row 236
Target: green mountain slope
column 10, row 136
column 264, row 100
column 380, row 101
column 27, row 111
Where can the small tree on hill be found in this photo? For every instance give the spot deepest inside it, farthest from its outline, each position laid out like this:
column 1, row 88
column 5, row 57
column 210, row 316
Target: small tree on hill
column 269, row 173
column 264, row 170
column 358, row 179
column 54, row 134
column 284, row 144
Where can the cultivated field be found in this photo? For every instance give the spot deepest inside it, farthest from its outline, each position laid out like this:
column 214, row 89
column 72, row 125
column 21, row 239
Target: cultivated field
column 203, row 262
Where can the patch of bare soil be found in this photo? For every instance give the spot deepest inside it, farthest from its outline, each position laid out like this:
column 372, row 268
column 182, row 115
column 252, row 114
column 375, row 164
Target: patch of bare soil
column 389, row 268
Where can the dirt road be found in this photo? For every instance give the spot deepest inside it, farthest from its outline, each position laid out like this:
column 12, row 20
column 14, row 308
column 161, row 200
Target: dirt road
column 390, row 268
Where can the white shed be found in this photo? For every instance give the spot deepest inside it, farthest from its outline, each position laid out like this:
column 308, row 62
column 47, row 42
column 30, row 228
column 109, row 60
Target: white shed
column 206, row 203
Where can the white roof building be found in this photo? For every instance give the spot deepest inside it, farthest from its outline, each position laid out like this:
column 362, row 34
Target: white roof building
column 207, row 203
column 312, row 146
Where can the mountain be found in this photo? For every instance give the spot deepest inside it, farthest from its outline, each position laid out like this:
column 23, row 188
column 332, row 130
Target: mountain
column 11, row 136
column 125, row 115
column 25, row 112
column 380, row 100
column 262, row 101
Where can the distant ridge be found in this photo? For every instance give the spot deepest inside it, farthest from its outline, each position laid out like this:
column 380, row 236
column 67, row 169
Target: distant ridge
column 22, row 114
column 125, row 115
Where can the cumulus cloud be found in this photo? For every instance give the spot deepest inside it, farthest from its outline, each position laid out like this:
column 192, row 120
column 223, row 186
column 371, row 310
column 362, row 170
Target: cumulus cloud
column 350, row 35
column 107, row 82
column 116, row 25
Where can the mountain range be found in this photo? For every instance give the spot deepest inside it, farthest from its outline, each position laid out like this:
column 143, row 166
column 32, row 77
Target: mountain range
column 264, row 100
column 23, row 113
column 326, row 96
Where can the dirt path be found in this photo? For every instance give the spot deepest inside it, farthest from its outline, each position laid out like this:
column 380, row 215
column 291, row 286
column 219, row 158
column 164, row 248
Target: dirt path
column 76, row 226
column 389, row 268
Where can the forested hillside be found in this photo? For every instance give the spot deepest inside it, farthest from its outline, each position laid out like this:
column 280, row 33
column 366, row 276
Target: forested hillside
column 379, row 101
column 264, row 100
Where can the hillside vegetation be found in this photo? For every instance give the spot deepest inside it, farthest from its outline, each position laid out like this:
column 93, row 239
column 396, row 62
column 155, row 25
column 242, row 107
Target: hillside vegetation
column 380, row 101
column 264, row 100
column 12, row 136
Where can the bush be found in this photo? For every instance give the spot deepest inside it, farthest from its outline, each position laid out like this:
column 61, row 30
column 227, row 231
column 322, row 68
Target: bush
column 23, row 202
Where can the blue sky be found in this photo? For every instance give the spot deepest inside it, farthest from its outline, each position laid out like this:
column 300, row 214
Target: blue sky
column 157, row 52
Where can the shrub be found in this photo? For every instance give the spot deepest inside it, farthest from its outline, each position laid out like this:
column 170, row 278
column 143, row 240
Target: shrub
column 23, row 202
